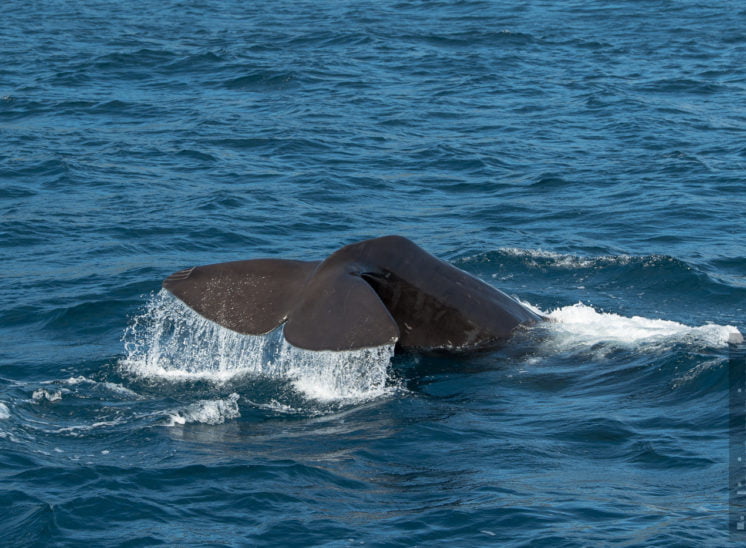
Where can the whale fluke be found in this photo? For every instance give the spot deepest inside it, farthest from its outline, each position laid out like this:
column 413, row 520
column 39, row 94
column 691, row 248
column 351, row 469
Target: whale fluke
column 376, row 292
column 250, row 297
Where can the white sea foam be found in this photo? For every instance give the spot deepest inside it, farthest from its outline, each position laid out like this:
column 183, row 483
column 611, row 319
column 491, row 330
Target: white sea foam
column 172, row 342
column 4, row 411
column 76, row 380
column 207, row 412
column 42, row 394
column 581, row 325
column 277, row 407
column 110, row 386
column 564, row 260
column 121, row 390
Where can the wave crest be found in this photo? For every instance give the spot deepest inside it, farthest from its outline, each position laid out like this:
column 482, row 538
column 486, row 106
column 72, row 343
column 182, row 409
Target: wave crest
column 581, row 325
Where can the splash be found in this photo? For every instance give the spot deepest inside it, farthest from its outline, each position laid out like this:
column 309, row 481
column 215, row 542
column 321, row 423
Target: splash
column 4, row 411
column 581, row 325
column 328, row 375
column 207, row 412
column 42, row 394
column 170, row 341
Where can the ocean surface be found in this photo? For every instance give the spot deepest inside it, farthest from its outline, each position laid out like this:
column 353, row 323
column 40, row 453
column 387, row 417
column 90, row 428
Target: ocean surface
column 588, row 158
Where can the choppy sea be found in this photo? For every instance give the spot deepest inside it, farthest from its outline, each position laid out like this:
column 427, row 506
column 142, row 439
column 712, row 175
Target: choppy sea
column 588, row 158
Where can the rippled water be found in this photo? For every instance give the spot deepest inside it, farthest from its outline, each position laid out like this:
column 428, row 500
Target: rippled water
column 587, row 158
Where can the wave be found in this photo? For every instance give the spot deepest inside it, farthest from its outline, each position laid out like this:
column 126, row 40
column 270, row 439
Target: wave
column 580, row 325
column 262, row 80
column 692, row 292
column 520, row 259
column 552, row 259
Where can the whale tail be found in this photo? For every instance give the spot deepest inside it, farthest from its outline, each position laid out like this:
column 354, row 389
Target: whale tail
column 372, row 293
column 250, row 297
column 336, row 311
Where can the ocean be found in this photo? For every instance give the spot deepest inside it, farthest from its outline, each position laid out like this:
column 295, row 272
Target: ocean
column 588, row 158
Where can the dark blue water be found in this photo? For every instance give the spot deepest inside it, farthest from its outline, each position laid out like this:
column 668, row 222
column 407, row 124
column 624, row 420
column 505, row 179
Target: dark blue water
column 587, row 157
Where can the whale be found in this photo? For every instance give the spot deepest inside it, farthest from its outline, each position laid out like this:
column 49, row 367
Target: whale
column 382, row 291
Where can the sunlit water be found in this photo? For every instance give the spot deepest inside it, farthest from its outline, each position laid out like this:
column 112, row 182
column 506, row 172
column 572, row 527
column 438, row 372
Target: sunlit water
column 585, row 158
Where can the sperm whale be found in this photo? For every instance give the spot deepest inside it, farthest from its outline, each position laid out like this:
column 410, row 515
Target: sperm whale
column 376, row 292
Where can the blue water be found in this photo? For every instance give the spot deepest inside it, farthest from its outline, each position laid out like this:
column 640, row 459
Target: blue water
column 586, row 157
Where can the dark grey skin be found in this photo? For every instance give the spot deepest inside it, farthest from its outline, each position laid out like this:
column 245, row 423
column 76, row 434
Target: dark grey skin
column 376, row 292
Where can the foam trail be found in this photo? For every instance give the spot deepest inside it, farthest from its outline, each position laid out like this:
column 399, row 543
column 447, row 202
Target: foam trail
column 582, row 325
column 171, row 341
